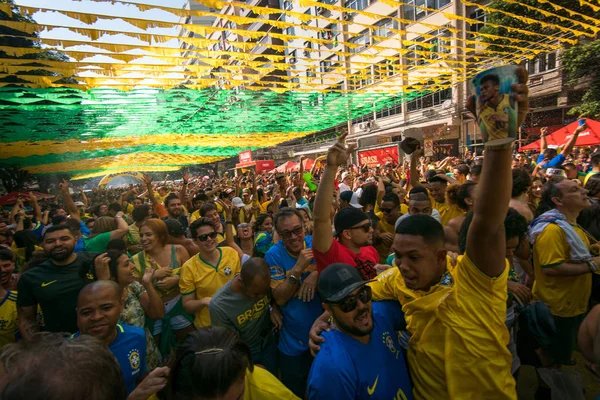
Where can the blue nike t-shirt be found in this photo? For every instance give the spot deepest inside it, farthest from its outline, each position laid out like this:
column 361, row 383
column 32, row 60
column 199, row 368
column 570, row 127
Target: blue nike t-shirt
column 348, row 369
column 129, row 348
column 555, row 162
column 298, row 315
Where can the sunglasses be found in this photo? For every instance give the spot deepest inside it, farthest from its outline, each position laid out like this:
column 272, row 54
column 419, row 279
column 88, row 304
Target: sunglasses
column 386, row 210
column 244, row 225
column 365, row 227
column 348, row 304
column 204, row 238
column 288, row 234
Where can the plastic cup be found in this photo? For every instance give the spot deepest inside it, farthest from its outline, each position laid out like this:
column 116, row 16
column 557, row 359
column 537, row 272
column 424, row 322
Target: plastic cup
column 495, row 105
column 581, row 122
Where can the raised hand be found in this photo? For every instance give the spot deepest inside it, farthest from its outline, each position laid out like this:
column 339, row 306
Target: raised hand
column 64, row 186
column 148, row 277
column 339, row 153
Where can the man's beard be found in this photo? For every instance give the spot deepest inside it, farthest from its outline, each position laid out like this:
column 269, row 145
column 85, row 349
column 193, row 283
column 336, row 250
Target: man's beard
column 353, row 330
column 60, row 253
column 176, row 213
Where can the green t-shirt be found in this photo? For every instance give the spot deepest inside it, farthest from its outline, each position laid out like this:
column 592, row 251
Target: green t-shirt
column 98, row 243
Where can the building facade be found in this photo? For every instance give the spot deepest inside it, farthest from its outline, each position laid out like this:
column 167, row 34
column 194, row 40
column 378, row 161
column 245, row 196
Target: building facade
column 424, row 46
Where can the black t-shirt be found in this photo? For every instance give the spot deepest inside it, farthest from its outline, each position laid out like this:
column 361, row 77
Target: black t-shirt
column 55, row 288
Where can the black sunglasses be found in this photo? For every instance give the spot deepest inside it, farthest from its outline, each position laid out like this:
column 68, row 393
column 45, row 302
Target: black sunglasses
column 365, row 227
column 387, row 210
column 348, row 303
column 204, row 238
column 288, row 234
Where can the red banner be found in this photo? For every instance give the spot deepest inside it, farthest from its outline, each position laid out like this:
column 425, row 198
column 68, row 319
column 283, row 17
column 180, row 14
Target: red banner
column 245, row 156
column 374, row 157
column 264, row 165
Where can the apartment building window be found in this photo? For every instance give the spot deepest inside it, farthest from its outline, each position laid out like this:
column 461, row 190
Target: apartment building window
column 440, row 44
column 429, row 100
column 308, row 46
column 480, row 16
column 542, row 63
column 291, row 30
column 328, row 64
column 362, row 41
column 386, row 68
column 358, row 4
column 388, row 111
column 383, row 29
column 414, row 13
column 293, row 59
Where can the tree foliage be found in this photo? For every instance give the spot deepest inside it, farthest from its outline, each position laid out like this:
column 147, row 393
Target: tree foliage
column 579, row 61
column 15, row 38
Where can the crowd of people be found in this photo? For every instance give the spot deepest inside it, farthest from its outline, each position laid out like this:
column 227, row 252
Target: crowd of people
column 426, row 280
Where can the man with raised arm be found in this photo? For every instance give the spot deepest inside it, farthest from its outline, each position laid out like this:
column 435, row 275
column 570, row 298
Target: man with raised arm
column 352, row 242
column 455, row 315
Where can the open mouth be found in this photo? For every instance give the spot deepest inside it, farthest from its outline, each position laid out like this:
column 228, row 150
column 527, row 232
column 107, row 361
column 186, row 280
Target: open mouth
column 363, row 319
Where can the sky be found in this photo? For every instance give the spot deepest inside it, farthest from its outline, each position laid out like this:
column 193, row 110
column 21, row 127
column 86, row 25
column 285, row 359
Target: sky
column 106, row 8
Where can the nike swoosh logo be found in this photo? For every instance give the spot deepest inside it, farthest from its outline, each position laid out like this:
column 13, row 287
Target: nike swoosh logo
column 371, row 389
column 44, row 284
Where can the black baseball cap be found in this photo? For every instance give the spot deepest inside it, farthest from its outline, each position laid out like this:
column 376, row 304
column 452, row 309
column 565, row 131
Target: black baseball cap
column 338, row 281
column 348, row 217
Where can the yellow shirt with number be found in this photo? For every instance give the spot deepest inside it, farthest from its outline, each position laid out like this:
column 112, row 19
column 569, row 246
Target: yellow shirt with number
column 204, row 279
column 566, row 296
column 496, row 129
column 447, row 211
column 457, row 348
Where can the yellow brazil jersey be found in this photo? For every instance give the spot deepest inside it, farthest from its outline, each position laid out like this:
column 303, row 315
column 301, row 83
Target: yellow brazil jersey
column 385, row 227
column 458, row 322
column 142, row 261
column 447, row 211
column 262, row 385
column 588, row 176
column 495, row 129
column 195, row 215
column 566, row 296
column 8, row 318
column 204, row 279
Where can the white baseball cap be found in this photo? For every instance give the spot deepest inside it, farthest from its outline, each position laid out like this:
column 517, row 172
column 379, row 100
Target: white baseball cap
column 79, row 204
column 351, row 197
column 345, row 175
column 237, row 202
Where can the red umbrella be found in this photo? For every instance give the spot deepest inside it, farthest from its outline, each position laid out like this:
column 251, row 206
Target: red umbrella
column 307, row 163
column 286, row 166
column 589, row 137
column 12, row 197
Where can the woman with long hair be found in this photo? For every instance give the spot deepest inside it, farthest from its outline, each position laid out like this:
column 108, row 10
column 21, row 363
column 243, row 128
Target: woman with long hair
column 140, row 299
column 105, row 229
column 213, row 363
column 535, row 193
column 264, row 234
column 166, row 260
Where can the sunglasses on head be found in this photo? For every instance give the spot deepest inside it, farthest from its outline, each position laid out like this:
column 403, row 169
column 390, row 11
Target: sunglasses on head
column 244, row 225
column 204, row 238
column 348, row 303
column 365, row 227
column 288, row 234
